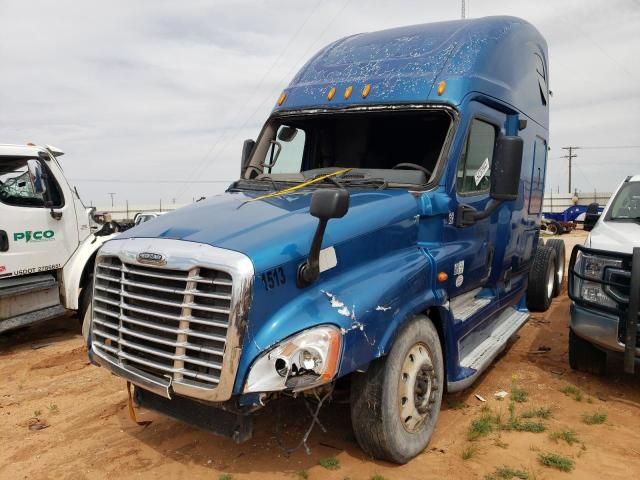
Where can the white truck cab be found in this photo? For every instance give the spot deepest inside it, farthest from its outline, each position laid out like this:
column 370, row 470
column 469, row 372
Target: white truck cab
column 604, row 284
column 47, row 237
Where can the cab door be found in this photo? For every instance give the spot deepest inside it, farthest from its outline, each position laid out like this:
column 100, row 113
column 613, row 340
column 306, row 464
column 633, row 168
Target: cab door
column 476, row 244
column 31, row 239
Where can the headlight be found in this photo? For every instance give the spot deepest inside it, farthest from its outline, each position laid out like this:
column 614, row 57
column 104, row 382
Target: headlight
column 593, row 267
column 303, row 361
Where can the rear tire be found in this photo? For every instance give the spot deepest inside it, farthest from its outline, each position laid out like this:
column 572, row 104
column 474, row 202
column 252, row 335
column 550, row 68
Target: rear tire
column 585, row 357
column 542, row 277
column 395, row 403
column 554, row 228
column 558, row 245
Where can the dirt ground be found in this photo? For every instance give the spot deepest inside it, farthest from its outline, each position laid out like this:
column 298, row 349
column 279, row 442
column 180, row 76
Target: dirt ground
column 45, row 375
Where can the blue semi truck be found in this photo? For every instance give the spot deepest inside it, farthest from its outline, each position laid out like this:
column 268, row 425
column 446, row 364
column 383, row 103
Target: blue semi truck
column 383, row 237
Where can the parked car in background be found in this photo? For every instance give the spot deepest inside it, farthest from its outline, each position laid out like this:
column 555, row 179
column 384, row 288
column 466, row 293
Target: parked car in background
column 142, row 217
column 48, row 238
column 604, row 284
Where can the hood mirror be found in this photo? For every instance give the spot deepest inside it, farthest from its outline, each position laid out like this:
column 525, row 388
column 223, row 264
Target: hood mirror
column 325, row 204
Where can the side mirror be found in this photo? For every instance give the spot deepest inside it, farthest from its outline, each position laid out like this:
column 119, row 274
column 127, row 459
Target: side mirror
column 35, row 176
column 505, row 169
column 329, row 203
column 247, row 148
column 325, row 205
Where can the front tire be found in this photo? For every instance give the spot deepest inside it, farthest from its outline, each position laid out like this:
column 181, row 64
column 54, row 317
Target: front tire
column 585, row 357
column 395, row 403
column 84, row 308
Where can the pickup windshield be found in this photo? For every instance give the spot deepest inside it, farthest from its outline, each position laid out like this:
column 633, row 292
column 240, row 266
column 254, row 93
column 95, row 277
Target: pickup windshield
column 626, row 204
column 382, row 149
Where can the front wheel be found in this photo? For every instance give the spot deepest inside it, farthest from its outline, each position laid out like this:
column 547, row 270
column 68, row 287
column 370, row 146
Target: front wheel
column 395, row 403
column 84, row 308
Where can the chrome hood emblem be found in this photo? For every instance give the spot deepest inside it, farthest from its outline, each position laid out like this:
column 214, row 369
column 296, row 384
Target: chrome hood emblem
column 152, row 258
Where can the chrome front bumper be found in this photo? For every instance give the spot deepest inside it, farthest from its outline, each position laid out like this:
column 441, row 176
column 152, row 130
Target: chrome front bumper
column 598, row 328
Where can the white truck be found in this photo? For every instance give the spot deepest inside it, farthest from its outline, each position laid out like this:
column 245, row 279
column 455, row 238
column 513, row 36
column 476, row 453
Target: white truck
column 48, row 239
column 604, row 284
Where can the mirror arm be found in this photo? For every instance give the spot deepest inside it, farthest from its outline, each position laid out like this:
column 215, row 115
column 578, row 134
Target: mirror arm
column 309, row 271
column 467, row 215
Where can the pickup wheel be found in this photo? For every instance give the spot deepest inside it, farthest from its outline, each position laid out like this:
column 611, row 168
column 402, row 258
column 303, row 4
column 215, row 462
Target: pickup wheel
column 542, row 278
column 558, row 245
column 586, row 357
column 395, row 403
column 84, row 308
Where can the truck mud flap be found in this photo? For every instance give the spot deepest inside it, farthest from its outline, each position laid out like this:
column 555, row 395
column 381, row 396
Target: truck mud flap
column 228, row 424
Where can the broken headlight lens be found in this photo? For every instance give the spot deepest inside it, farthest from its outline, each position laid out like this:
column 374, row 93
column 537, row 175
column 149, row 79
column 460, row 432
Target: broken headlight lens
column 594, row 267
column 303, row 361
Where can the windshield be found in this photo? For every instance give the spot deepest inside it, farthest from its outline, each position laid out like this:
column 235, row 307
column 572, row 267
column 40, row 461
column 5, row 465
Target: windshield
column 626, row 204
column 400, row 148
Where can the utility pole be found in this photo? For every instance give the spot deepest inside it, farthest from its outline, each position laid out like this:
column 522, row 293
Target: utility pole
column 112, row 195
column 464, row 13
column 570, row 157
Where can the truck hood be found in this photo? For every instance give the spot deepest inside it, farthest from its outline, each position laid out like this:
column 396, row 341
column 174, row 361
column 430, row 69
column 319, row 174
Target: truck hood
column 618, row 237
column 275, row 230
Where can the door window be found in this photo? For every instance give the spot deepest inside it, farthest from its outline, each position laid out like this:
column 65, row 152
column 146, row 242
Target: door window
column 16, row 188
column 285, row 154
column 474, row 168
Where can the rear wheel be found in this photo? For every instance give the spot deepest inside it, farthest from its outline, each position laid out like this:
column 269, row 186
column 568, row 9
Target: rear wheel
column 395, row 403
column 584, row 356
column 554, row 228
column 558, row 245
column 542, row 278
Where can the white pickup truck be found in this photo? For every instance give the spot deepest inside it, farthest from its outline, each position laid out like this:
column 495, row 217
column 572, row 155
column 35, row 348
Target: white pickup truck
column 604, row 284
column 48, row 238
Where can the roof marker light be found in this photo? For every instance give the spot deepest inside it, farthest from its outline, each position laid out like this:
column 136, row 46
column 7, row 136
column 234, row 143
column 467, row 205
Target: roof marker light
column 347, row 92
column 366, row 90
column 282, row 98
column 442, row 86
column 331, row 94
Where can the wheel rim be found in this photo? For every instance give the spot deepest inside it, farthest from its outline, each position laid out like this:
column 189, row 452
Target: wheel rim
column 416, row 387
column 551, row 280
column 560, row 271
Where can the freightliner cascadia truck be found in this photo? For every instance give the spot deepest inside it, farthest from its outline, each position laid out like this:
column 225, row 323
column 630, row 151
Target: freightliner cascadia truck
column 383, row 237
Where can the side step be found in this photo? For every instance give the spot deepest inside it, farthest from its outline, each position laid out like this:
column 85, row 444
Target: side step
column 31, row 318
column 27, row 300
column 478, row 359
column 465, row 305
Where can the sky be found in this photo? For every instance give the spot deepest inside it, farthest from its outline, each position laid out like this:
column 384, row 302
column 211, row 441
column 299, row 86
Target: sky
column 151, row 99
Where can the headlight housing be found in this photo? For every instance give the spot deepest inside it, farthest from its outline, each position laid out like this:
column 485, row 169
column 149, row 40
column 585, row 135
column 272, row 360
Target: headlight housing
column 594, row 267
column 305, row 360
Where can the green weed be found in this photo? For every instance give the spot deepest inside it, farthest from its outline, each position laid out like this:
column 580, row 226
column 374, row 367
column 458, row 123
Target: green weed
column 573, row 392
column 568, row 436
column 330, row 463
column 595, row 418
column 519, row 395
column 544, row 413
column 507, row 473
column 556, row 461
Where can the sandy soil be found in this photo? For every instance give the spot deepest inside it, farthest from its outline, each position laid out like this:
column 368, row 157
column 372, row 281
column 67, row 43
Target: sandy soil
column 44, row 374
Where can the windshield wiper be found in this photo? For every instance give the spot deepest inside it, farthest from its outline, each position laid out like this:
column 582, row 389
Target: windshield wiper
column 381, row 183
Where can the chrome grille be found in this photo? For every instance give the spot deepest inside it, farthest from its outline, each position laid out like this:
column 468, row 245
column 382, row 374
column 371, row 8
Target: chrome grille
column 170, row 324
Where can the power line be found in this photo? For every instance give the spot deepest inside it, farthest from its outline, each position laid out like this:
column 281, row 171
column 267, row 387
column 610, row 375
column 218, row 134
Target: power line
column 609, row 147
column 198, row 168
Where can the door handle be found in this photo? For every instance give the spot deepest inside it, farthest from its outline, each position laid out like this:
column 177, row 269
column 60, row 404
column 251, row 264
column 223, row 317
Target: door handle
column 4, row 241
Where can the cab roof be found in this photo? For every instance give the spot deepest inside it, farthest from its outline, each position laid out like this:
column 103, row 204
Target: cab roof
column 495, row 56
column 14, row 150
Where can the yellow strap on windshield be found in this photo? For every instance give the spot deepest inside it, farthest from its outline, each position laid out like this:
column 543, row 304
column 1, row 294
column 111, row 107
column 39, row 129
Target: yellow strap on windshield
column 301, row 185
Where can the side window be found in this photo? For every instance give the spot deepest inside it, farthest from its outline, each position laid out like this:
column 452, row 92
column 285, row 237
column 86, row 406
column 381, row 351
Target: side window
column 474, row 168
column 542, row 78
column 16, row 188
column 287, row 150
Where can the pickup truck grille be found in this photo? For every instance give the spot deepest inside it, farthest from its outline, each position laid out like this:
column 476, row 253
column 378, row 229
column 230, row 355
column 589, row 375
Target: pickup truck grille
column 170, row 324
